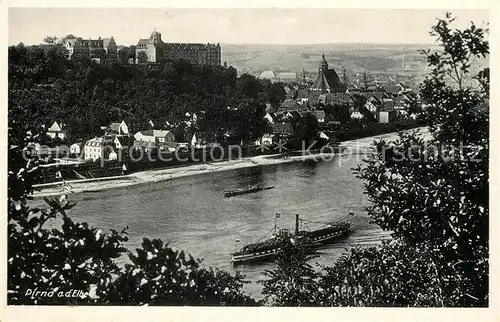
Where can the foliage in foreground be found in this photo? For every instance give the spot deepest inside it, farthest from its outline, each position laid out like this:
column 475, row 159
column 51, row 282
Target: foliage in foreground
column 293, row 282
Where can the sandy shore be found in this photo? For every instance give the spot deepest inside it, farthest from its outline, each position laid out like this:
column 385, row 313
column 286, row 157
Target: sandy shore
column 158, row 175
column 354, row 147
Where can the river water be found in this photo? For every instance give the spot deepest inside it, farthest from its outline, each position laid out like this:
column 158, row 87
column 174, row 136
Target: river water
column 192, row 214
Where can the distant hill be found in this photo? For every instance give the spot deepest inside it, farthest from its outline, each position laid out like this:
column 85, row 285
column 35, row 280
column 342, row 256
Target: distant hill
column 354, row 57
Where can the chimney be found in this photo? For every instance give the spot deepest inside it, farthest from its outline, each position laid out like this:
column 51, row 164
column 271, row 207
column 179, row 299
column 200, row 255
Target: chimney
column 296, row 224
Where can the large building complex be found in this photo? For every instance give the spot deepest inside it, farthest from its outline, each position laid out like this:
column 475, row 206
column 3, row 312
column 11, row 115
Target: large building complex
column 153, row 50
column 101, row 50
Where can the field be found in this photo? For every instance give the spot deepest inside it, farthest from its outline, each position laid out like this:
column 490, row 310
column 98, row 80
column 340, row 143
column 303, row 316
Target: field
column 354, row 57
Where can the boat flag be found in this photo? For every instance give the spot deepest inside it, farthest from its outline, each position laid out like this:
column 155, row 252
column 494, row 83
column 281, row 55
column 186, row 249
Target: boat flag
column 277, row 215
column 58, row 175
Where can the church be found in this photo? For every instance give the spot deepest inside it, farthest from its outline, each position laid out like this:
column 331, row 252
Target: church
column 327, row 80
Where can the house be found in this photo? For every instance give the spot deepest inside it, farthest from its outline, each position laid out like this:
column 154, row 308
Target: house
column 333, row 125
column 284, row 128
column 118, row 129
column 112, row 155
column 169, row 146
column 201, row 140
column 269, row 75
column 197, row 141
column 356, row 115
column 290, row 104
column 287, row 77
column 303, row 94
column 388, row 104
column 123, row 142
column 342, row 99
column 402, row 88
column 145, row 136
column 320, row 116
column 163, row 136
column 145, row 145
column 394, row 89
column 167, row 125
column 76, row 148
column 182, row 145
column 373, row 105
column 154, row 136
column 269, row 118
column 401, row 102
column 296, row 115
column 363, row 113
column 322, row 135
column 268, row 139
column 387, row 116
column 57, row 131
column 98, row 148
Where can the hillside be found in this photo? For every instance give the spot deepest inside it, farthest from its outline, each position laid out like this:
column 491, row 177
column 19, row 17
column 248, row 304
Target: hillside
column 354, row 57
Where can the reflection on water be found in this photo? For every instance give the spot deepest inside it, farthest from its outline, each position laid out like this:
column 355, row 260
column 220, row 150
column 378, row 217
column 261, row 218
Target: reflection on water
column 192, row 214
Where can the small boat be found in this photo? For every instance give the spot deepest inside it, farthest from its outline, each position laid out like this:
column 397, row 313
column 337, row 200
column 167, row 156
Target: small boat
column 231, row 193
column 92, row 191
column 283, row 239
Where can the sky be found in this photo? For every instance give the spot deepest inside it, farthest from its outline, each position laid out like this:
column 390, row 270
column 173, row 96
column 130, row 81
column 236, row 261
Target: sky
column 234, row 26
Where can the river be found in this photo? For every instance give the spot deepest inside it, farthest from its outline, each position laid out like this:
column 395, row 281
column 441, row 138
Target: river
column 192, row 214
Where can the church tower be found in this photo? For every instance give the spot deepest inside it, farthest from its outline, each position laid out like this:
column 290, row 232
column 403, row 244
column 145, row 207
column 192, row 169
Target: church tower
column 323, row 65
column 327, row 80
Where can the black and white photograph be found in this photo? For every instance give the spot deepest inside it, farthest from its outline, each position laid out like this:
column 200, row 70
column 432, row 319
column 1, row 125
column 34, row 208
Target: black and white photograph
column 248, row 157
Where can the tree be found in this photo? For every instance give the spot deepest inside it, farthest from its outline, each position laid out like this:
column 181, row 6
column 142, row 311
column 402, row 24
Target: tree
column 131, row 53
column 294, row 282
column 123, row 55
column 306, row 134
column 49, row 39
column 248, row 86
column 69, row 36
column 434, row 194
column 142, row 57
column 393, row 275
column 155, row 277
column 277, row 93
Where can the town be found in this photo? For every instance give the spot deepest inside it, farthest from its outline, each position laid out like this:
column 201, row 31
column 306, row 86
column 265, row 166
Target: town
column 337, row 107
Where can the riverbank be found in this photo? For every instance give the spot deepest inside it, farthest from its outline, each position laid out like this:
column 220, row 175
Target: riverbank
column 354, row 148
column 157, row 175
